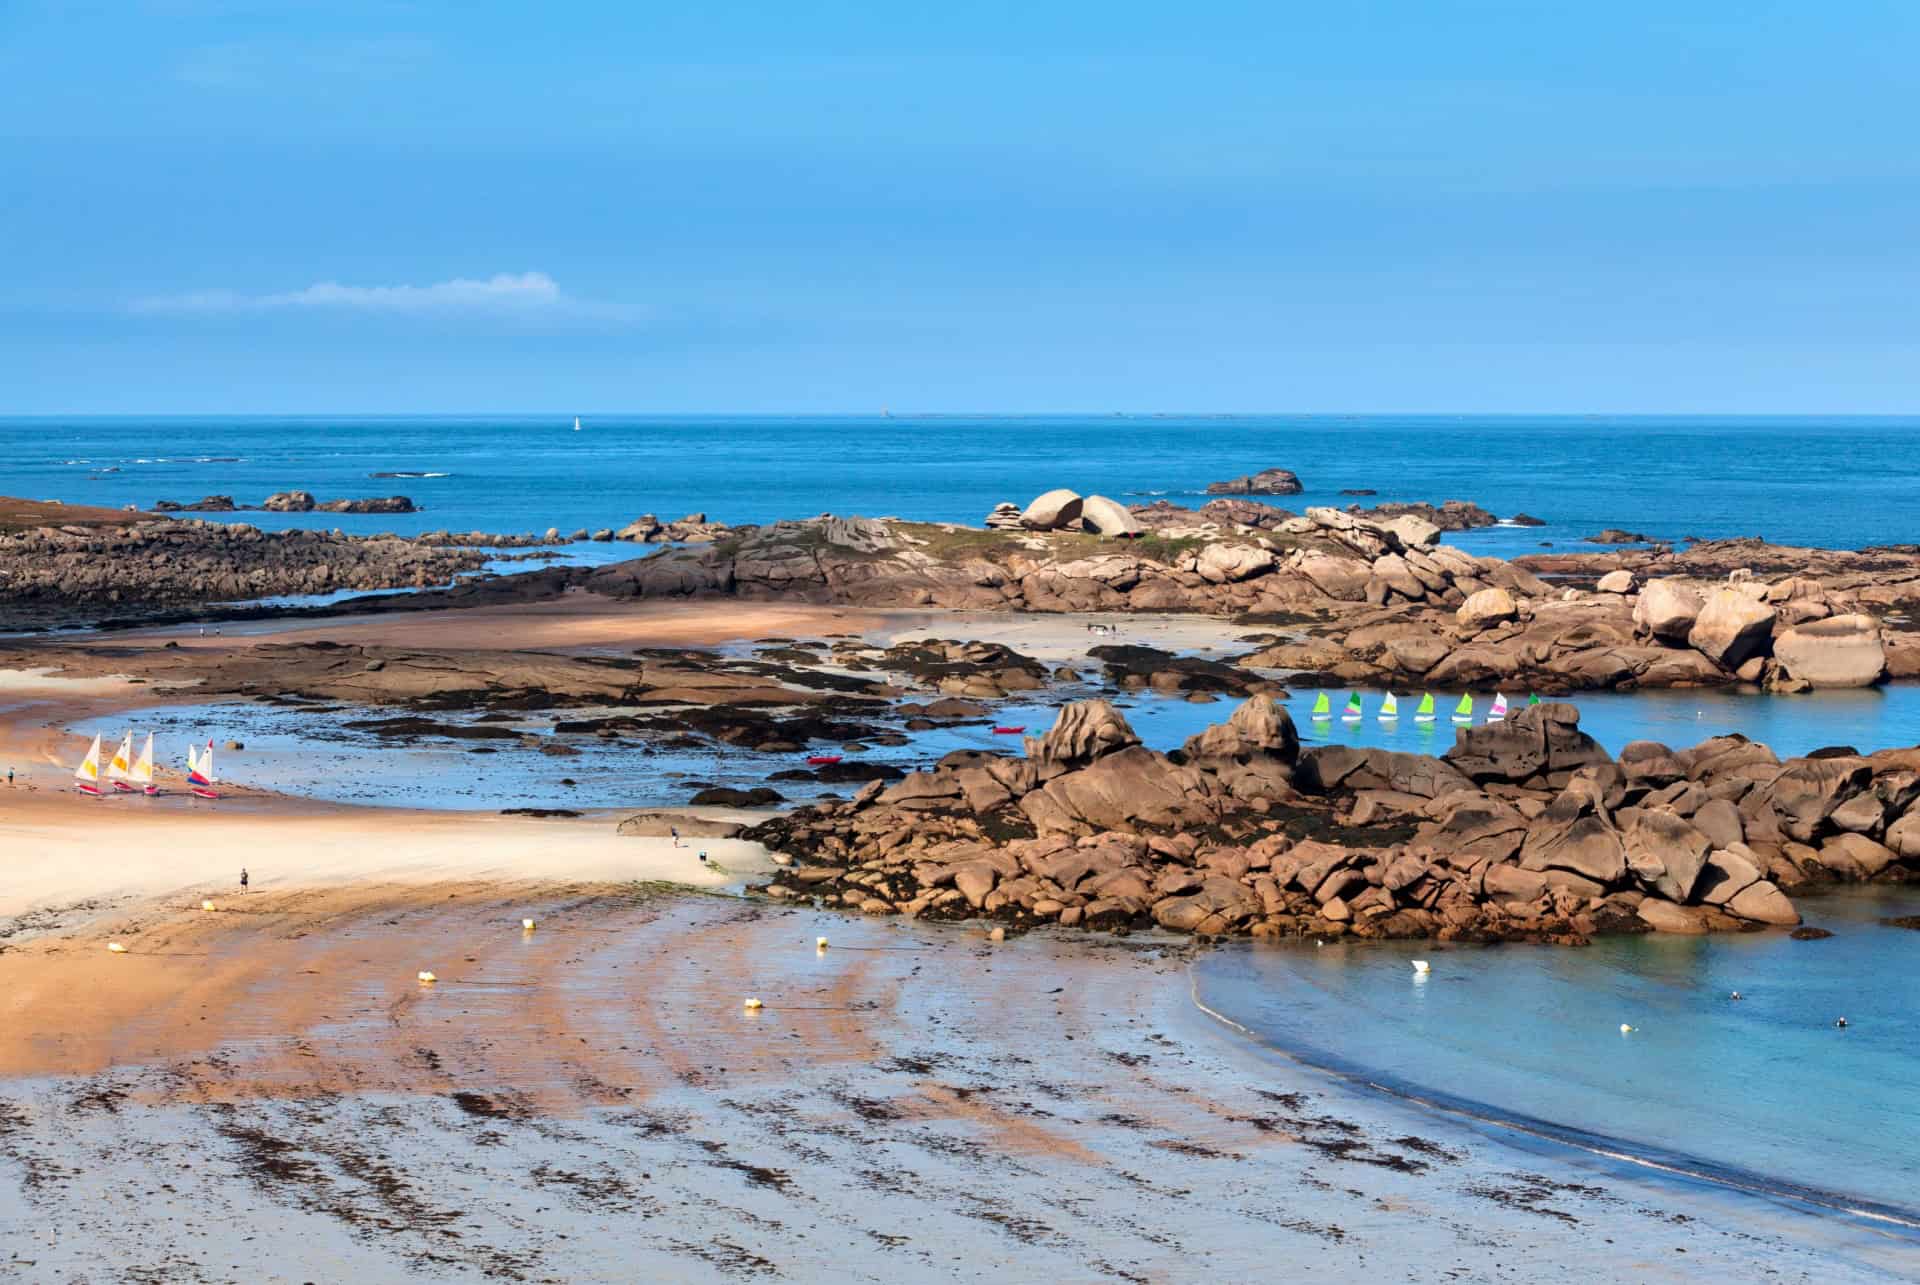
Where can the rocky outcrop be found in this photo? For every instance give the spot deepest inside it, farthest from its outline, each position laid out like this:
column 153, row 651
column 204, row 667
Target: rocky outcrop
column 691, row 529
column 291, row 502
column 1527, row 829
column 1004, row 517
column 1666, row 609
column 1272, row 481
column 1732, row 627
column 53, row 574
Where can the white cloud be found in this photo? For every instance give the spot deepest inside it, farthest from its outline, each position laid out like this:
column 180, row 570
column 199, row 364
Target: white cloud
column 523, row 294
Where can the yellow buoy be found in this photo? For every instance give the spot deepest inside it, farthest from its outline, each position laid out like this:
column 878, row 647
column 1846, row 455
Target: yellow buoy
column 527, row 924
column 819, row 943
column 1625, row 1029
column 426, row 976
column 752, row 1003
column 116, row 948
column 206, row 905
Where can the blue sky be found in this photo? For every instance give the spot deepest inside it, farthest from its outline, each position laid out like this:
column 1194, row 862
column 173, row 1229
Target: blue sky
column 343, row 205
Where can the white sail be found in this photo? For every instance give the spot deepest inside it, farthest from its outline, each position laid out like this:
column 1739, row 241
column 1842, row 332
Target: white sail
column 143, row 766
column 89, row 769
column 120, row 767
column 206, row 764
column 193, row 760
column 1389, row 709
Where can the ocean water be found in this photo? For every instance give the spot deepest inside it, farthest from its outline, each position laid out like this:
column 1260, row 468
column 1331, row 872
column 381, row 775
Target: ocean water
column 1842, row 482
column 1763, row 1093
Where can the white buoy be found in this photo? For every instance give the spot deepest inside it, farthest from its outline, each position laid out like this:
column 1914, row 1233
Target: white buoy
column 819, row 943
column 426, row 976
column 527, row 924
column 1625, row 1029
column 752, row 1003
column 1422, row 966
column 116, row 948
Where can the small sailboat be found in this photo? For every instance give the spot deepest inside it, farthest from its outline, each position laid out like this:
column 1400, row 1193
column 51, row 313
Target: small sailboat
column 1423, row 712
column 1463, row 712
column 1499, row 711
column 576, row 423
column 1533, row 698
column 142, row 774
column 120, row 766
column 1352, row 713
column 1322, row 708
column 200, row 773
column 1390, row 709
column 87, row 775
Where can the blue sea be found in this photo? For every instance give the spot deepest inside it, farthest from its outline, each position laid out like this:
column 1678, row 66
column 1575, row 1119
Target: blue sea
column 1840, row 482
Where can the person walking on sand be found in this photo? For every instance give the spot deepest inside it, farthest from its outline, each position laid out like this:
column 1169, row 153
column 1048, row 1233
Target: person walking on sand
column 674, row 830
column 243, row 878
column 9, row 778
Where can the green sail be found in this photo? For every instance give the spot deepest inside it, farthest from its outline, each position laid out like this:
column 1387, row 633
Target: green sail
column 1466, row 704
column 1426, row 704
column 1353, row 703
column 1322, row 707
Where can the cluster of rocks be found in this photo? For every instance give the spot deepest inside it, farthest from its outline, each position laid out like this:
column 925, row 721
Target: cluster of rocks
column 648, row 529
column 1789, row 635
column 51, row 574
column 1525, row 830
column 1272, row 481
column 1213, row 518
column 290, row 502
column 1064, row 510
column 1005, row 517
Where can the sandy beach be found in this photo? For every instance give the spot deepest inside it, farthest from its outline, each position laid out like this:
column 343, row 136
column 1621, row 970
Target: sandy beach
column 591, row 1100
column 266, row 1092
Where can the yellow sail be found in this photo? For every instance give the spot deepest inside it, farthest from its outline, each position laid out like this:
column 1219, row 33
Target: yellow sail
column 121, row 765
column 143, row 766
column 89, row 769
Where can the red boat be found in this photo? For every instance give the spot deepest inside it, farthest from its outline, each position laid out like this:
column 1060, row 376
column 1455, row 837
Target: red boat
column 822, row 760
column 1008, row 731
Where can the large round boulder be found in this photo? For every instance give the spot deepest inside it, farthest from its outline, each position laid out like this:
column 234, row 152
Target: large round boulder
column 1052, row 511
column 1840, row 651
column 1487, row 607
column 1102, row 516
column 1731, row 628
column 1666, row 609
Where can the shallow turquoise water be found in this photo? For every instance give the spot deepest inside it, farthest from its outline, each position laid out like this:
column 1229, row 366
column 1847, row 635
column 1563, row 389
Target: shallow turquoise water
column 1763, row 1092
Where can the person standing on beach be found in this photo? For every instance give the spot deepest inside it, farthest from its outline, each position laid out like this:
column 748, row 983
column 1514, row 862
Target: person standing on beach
column 9, row 778
column 243, row 878
column 674, row 830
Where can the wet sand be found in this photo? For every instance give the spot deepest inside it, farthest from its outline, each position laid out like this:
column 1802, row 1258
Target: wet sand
column 266, row 1092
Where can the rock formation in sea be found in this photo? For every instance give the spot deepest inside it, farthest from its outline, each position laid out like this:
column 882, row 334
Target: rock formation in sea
column 1271, row 481
column 290, row 502
column 1526, row 829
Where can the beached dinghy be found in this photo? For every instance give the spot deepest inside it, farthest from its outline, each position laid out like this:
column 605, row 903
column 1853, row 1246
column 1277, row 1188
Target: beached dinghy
column 1390, row 709
column 1499, row 711
column 120, row 767
column 1423, row 712
column 1463, row 712
column 1009, row 731
column 142, row 775
column 1352, row 713
column 1322, row 708
column 200, row 773
column 86, row 777
column 822, row 760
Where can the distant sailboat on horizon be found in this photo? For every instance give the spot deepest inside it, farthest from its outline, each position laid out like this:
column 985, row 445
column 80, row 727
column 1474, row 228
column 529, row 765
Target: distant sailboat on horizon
column 576, row 423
